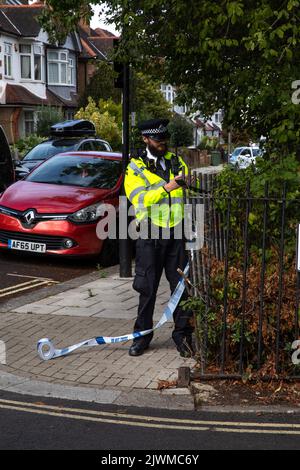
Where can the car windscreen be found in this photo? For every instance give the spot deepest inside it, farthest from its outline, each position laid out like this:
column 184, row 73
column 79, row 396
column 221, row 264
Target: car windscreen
column 74, row 170
column 48, row 149
column 237, row 151
column 256, row 152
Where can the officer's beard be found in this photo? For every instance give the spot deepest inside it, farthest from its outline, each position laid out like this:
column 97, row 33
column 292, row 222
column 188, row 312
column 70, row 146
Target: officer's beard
column 159, row 151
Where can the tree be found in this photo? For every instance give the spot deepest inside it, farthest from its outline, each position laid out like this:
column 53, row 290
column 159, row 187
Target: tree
column 181, row 132
column 101, row 85
column 241, row 56
column 147, row 99
column 46, row 117
column 105, row 123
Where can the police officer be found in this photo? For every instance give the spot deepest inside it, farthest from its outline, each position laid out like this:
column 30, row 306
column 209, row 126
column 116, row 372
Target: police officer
column 153, row 184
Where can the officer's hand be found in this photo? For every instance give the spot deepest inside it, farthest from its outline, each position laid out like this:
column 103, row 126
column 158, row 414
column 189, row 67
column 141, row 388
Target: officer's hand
column 173, row 184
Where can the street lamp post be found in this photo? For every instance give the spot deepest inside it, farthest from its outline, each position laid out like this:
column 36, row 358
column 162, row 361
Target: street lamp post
column 125, row 248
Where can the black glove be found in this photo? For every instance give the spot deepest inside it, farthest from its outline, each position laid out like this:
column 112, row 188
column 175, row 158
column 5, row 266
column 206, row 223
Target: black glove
column 181, row 181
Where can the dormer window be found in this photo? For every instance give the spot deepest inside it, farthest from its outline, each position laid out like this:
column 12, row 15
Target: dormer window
column 60, row 68
column 31, row 62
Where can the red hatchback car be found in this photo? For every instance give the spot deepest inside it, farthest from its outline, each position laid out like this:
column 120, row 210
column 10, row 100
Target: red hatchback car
column 54, row 210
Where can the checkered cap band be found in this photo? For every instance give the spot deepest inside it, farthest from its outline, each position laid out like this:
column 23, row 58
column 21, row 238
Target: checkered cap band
column 158, row 130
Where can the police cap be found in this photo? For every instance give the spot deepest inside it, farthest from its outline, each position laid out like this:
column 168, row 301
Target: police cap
column 155, row 129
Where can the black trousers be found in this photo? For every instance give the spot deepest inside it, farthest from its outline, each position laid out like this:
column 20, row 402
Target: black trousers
column 152, row 256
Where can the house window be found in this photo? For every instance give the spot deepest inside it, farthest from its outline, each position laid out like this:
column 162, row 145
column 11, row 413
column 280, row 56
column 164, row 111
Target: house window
column 163, row 89
column 61, row 69
column 170, row 94
column 37, row 61
column 25, row 54
column 71, row 72
column 69, row 114
column 218, row 117
column 7, row 59
column 29, row 124
column 53, row 67
column 31, row 62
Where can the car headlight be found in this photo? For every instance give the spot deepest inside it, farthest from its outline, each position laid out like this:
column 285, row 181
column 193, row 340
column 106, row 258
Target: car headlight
column 87, row 214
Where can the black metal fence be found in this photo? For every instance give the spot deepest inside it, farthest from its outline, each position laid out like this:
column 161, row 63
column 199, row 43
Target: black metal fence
column 245, row 287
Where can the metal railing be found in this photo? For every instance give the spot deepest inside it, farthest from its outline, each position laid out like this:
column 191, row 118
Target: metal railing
column 245, row 293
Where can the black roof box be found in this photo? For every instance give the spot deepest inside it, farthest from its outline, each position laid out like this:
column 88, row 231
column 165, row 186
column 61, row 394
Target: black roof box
column 73, row 128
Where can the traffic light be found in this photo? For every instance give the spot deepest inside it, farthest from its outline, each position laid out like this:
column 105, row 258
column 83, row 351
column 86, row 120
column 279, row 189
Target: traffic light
column 118, row 68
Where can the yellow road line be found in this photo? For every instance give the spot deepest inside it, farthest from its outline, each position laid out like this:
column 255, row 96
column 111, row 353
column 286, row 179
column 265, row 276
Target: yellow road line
column 30, row 277
column 94, row 419
column 281, row 426
column 103, row 420
column 16, row 289
column 17, row 285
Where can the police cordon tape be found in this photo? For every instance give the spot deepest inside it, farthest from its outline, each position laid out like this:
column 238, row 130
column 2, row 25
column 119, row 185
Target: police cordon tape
column 47, row 351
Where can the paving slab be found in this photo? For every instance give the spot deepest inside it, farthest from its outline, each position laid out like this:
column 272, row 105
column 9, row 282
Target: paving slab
column 105, row 374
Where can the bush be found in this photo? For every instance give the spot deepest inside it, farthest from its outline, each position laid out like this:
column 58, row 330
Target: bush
column 181, row 132
column 22, row 146
column 209, row 321
column 209, row 318
column 105, row 117
column 47, row 116
column 208, row 143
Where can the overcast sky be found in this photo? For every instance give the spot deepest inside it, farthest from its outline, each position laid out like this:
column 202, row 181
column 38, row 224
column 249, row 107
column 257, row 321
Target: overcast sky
column 99, row 22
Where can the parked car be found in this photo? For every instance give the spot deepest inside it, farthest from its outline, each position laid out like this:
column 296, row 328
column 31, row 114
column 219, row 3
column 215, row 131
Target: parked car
column 20, row 170
column 66, row 136
column 54, row 209
column 7, row 175
column 242, row 157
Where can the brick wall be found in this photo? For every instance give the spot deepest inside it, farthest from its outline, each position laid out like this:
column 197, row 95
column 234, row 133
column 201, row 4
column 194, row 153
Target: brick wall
column 195, row 158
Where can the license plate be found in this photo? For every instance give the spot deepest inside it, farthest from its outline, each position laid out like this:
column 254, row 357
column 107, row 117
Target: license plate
column 27, row 246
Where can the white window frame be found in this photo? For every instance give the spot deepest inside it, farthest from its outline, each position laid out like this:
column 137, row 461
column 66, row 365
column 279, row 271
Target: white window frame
column 71, row 71
column 32, row 54
column 217, row 118
column 39, row 54
column 26, row 54
column 8, row 59
column 170, row 94
column 69, row 62
column 33, row 120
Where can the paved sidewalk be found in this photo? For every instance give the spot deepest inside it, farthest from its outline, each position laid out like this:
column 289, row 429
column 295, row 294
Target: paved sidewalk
column 104, row 306
column 93, row 305
column 209, row 170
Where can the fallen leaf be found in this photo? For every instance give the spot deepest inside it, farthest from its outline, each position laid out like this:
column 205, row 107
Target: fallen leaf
column 162, row 384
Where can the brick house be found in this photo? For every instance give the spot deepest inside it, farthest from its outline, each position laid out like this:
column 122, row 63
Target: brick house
column 96, row 45
column 35, row 73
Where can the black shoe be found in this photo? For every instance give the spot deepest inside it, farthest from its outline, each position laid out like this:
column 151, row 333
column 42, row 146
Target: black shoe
column 137, row 349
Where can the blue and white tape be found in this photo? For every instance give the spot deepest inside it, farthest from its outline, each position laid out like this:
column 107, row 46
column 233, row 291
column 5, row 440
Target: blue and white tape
column 47, row 351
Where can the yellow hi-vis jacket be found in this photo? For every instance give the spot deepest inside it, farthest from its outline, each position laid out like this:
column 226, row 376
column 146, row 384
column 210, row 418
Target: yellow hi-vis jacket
column 145, row 191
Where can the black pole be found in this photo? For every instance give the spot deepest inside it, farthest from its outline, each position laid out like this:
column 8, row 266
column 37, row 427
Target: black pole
column 125, row 244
